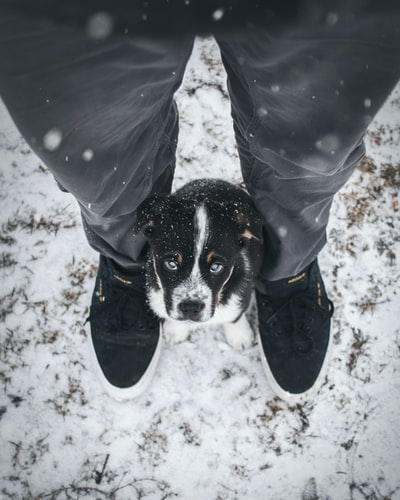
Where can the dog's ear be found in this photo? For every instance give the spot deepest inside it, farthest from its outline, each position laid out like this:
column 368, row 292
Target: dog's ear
column 249, row 224
column 150, row 214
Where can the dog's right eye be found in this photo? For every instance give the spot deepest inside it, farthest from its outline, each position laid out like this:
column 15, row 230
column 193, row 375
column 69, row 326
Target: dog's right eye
column 171, row 265
column 216, row 268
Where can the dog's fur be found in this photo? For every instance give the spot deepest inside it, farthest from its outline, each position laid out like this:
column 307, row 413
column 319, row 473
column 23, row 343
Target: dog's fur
column 205, row 253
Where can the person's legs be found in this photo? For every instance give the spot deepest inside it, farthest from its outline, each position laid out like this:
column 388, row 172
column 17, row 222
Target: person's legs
column 303, row 92
column 99, row 111
column 100, row 114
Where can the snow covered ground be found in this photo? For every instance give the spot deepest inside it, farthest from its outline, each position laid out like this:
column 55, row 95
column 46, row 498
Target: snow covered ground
column 209, row 426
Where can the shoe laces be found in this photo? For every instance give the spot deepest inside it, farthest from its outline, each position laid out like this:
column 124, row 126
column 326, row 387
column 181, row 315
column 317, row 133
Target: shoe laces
column 293, row 320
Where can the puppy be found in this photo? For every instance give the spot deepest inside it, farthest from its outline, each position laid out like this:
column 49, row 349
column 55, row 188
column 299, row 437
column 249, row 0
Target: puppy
column 205, row 253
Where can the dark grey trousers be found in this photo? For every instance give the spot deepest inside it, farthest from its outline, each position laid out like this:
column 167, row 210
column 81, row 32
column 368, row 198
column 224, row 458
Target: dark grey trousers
column 98, row 109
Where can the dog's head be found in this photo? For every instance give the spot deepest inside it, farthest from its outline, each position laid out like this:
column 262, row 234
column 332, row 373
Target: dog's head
column 203, row 254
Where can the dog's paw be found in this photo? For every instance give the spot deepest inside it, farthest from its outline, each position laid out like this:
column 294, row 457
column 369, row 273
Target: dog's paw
column 175, row 331
column 239, row 335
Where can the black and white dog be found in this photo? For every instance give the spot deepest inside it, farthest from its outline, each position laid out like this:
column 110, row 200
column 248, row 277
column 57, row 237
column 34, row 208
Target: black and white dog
column 205, row 253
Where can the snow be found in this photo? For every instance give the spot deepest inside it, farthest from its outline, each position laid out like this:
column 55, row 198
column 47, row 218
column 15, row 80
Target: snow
column 99, row 25
column 209, row 426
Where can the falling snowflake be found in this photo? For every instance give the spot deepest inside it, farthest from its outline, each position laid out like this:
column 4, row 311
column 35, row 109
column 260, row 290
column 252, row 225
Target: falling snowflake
column 52, row 139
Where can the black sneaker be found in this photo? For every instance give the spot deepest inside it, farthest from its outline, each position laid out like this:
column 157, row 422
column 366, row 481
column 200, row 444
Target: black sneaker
column 294, row 333
column 125, row 334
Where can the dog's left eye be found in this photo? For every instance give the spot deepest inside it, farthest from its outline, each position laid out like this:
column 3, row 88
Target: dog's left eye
column 216, row 268
column 171, row 265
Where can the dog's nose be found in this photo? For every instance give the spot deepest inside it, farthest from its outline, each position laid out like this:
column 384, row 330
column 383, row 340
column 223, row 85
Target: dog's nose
column 191, row 309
